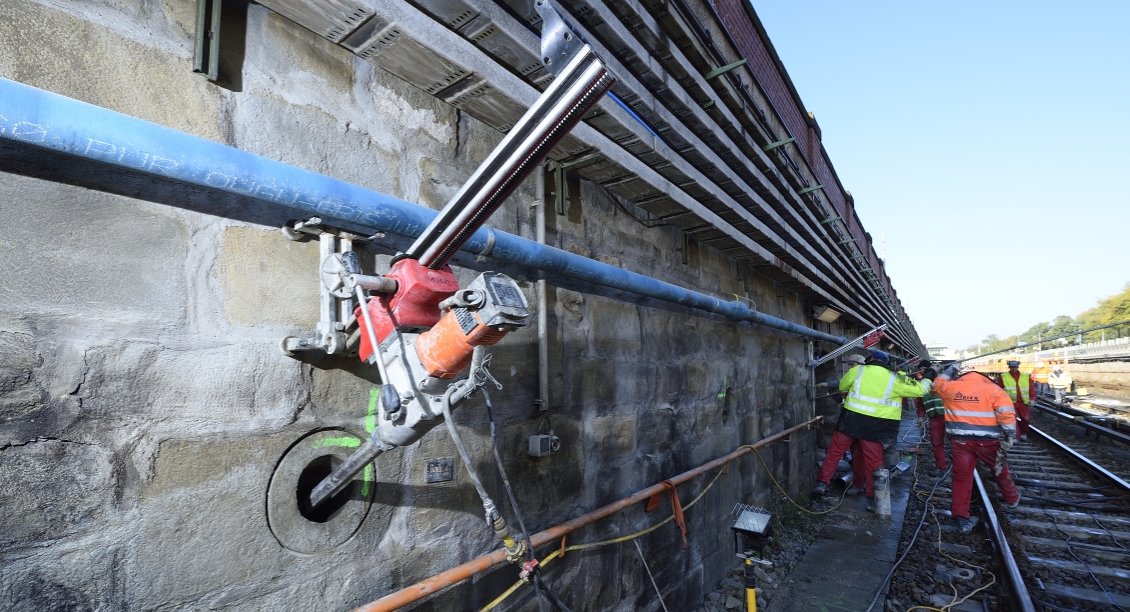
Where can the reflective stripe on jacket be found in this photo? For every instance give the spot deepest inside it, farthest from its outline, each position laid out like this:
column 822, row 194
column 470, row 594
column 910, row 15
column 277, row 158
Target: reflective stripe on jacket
column 1017, row 390
column 1062, row 381
column 1040, row 375
column 878, row 392
column 932, row 403
column 976, row 407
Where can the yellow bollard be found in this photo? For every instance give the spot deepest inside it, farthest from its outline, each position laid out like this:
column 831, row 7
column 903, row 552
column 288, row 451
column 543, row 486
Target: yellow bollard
column 750, row 587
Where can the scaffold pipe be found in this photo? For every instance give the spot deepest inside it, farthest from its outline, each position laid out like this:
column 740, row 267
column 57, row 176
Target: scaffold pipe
column 422, row 589
column 34, row 117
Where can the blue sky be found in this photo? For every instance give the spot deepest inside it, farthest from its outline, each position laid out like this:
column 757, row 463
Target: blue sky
column 989, row 141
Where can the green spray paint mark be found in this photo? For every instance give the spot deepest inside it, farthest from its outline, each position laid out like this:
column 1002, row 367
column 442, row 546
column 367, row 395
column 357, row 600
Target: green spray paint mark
column 371, row 416
column 349, row 442
column 724, row 387
column 370, row 425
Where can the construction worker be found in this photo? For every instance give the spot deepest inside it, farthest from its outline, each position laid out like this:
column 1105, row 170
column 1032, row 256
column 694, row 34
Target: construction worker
column 871, row 415
column 930, row 407
column 1060, row 382
column 1021, row 389
column 1040, row 379
column 981, row 424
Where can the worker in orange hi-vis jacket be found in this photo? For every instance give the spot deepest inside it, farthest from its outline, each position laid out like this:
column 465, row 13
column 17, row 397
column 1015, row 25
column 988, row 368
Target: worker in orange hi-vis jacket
column 981, row 425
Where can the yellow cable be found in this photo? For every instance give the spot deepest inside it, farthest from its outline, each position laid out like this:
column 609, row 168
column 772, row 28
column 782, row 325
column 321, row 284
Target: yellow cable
column 553, row 555
column 937, row 523
column 782, row 490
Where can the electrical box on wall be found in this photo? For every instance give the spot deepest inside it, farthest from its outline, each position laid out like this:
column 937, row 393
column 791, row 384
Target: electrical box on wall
column 544, row 444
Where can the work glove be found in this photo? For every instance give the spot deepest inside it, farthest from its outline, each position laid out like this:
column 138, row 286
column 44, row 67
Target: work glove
column 951, row 372
column 1008, row 440
column 922, row 422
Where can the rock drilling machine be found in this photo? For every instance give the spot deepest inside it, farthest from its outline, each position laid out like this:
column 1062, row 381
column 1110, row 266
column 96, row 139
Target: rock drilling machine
column 417, row 326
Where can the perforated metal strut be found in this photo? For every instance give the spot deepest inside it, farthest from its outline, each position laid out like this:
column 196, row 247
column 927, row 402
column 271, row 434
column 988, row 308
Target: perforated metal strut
column 582, row 79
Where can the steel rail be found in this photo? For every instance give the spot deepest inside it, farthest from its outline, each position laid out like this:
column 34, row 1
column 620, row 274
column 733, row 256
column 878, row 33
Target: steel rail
column 440, row 581
column 1091, row 465
column 1081, row 420
column 1015, row 580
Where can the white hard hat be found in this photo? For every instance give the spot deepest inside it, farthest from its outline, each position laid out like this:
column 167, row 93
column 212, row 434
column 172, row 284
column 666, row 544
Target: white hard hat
column 1039, row 364
column 1057, row 367
column 856, row 359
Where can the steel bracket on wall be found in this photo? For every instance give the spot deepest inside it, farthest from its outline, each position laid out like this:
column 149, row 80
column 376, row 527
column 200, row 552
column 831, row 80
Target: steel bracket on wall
column 206, row 54
column 337, row 332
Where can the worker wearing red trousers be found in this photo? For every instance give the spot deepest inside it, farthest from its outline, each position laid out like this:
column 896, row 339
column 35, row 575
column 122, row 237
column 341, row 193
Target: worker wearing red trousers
column 1021, row 388
column 981, row 424
column 931, row 407
column 871, row 415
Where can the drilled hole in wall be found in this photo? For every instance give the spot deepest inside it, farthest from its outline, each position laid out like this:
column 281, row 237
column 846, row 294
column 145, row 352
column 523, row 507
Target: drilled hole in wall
column 311, row 475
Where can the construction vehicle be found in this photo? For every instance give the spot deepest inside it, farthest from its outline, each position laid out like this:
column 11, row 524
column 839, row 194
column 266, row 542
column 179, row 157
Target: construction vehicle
column 420, row 329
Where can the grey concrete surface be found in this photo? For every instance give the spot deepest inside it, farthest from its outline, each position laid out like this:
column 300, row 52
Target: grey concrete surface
column 145, row 406
column 848, row 563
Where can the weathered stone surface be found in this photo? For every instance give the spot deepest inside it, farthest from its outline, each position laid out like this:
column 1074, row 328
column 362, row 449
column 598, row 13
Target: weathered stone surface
column 255, row 270
column 82, row 59
column 149, row 404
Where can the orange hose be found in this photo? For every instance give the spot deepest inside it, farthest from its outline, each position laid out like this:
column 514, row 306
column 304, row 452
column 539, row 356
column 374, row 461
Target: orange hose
column 440, row 581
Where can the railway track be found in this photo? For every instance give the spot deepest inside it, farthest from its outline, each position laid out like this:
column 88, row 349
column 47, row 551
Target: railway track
column 1066, row 547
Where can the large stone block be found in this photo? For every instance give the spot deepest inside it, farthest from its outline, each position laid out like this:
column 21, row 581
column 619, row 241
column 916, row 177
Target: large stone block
column 266, row 278
column 109, row 257
column 20, row 392
column 56, row 488
column 59, row 52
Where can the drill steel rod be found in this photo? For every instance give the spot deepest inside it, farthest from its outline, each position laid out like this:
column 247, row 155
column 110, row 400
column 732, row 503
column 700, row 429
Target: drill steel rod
column 556, row 111
column 344, row 473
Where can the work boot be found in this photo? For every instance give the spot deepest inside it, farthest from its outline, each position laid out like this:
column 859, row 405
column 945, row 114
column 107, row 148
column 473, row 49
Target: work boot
column 965, row 525
column 854, row 491
column 871, row 504
column 1024, row 438
column 1014, row 505
column 819, row 490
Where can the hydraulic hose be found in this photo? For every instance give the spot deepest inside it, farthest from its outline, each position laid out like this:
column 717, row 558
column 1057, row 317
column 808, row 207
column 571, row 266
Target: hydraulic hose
column 488, row 504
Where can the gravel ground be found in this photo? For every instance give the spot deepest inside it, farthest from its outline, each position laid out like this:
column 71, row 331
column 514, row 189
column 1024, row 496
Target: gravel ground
column 793, row 533
column 943, row 566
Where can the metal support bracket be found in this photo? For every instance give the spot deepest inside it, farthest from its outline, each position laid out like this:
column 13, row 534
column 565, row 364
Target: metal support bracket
column 206, row 54
column 779, row 143
column 831, row 220
column 809, row 189
column 337, row 332
column 561, row 185
column 717, row 72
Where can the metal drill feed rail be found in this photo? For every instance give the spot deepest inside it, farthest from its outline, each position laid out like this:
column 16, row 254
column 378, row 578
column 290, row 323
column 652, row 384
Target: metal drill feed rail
column 423, row 335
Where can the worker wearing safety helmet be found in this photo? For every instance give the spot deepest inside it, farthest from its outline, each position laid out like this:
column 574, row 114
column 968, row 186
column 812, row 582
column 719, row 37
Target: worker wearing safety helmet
column 981, row 424
column 871, row 415
column 1021, row 388
column 1040, row 379
column 1059, row 381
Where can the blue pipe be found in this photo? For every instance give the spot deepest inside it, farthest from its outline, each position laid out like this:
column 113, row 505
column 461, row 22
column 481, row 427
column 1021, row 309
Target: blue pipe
column 42, row 119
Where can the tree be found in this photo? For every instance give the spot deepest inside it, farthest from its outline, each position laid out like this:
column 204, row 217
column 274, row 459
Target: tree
column 1110, row 310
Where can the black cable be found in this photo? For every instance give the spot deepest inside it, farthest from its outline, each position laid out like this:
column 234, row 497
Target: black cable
column 502, row 472
column 539, row 587
column 921, row 522
column 553, row 598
